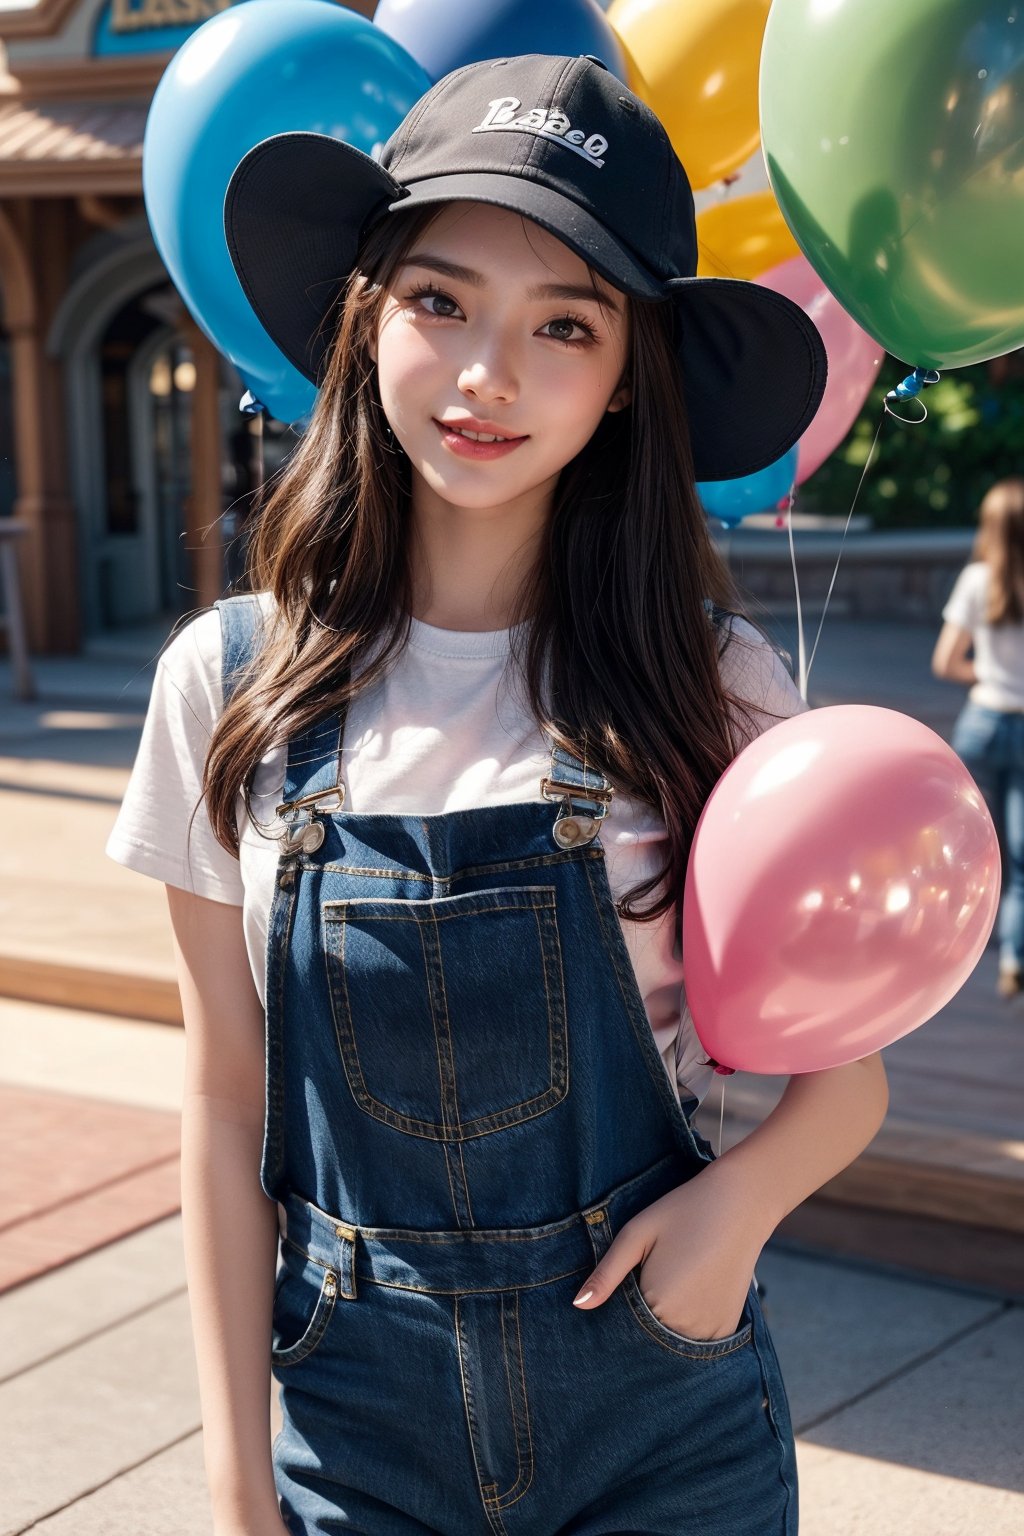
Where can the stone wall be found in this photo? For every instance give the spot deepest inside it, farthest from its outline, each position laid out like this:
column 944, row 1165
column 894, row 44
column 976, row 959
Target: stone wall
column 900, row 575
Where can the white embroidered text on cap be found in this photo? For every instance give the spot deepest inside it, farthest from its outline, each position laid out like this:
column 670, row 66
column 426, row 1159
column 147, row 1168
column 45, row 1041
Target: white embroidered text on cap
column 545, row 123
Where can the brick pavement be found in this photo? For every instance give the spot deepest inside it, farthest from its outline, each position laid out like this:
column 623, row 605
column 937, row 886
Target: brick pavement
column 85, row 1172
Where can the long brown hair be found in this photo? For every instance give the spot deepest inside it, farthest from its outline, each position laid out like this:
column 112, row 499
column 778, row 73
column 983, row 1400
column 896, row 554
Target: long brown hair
column 999, row 541
column 615, row 600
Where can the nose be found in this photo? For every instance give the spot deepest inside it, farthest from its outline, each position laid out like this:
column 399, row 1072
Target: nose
column 488, row 378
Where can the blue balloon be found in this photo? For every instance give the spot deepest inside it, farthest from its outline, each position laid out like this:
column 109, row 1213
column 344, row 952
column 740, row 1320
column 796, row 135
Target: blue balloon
column 445, row 34
column 265, row 67
column 733, row 500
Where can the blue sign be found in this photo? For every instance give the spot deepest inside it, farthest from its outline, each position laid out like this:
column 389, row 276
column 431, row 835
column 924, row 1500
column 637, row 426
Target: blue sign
column 151, row 26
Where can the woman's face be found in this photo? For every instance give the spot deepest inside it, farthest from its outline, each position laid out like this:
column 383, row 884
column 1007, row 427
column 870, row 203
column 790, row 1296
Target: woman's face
column 492, row 344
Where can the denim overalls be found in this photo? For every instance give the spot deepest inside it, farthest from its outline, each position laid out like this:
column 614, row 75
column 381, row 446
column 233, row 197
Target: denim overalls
column 465, row 1102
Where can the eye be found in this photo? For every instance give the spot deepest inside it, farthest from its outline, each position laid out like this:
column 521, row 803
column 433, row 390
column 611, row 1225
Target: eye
column 428, row 291
column 578, row 321
column 446, row 307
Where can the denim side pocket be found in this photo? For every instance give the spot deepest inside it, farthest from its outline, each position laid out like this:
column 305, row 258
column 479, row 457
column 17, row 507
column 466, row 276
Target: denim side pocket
column 661, row 1333
column 641, row 1314
column 304, row 1298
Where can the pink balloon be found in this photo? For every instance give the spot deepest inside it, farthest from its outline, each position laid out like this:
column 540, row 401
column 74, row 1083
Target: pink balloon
column 842, row 884
column 854, row 359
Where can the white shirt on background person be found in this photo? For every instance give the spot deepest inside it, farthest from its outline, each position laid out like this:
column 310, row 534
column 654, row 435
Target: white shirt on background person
column 998, row 648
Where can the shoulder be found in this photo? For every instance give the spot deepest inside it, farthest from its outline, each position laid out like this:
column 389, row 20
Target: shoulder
column 191, row 660
column 973, row 577
column 163, row 828
column 751, row 667
column 965, row 605
column 755, row 673
column 194, row 648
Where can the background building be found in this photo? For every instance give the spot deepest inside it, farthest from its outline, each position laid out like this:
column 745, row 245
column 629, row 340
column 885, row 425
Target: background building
column 121, row 442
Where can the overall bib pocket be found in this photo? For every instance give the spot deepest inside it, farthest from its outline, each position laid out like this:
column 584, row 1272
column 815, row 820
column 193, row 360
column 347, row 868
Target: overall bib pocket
column 304, row 1297
column 449, row 1013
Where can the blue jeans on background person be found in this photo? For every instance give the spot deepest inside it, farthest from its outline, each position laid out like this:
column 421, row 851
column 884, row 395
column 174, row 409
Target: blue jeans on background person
column 990, row 743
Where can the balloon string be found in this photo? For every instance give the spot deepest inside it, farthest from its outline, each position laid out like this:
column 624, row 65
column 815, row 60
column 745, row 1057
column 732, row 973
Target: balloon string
column 805, row 670
column 801, row 648
column 721, row 1118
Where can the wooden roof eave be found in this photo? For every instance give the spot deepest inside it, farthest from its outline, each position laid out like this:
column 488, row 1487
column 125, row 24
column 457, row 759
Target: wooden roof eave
column 70, row 178
column 86, row 79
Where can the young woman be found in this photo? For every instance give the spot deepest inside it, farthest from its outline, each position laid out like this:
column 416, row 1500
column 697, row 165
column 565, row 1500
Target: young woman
column 985, row 611
column 451, row 752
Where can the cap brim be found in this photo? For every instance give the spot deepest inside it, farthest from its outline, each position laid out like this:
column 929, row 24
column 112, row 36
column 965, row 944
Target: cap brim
column 753, row 364
column 754, row 369
column 294, row 212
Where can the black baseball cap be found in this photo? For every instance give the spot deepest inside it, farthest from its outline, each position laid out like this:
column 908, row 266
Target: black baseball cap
column 562, row 141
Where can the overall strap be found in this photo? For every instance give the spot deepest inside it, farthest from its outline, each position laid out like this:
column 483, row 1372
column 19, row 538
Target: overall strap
column 239, row 627
column 312, row 786
column 314, row 763
column 313, row 756
column 585, row 794
column 716, row 615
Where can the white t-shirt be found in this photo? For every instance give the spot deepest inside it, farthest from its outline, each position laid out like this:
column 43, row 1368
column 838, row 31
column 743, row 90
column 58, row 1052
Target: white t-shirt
column 998, row 649
column 442, row 732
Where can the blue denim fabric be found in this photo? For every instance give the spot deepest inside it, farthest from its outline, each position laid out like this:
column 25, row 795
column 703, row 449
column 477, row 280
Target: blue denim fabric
column 465, row 1103
column 990, row 742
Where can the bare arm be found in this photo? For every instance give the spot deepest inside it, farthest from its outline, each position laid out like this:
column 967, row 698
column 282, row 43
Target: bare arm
column 949, row 658
column 700, row 1242
column 821, row 1123
column 230, row 1227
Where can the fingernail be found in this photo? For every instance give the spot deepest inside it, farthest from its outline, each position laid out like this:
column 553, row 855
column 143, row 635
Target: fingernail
column 583, row 1296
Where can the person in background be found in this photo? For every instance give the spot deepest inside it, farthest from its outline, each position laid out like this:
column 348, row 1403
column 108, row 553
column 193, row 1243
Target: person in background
column 985, row 611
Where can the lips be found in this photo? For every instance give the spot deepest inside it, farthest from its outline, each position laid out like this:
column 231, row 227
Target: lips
column 469, row 448
column 462, row 428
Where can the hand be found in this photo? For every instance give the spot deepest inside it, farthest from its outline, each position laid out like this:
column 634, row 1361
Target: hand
column 697, row 1248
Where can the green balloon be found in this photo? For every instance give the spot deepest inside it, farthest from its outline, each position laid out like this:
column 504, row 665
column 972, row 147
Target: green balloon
column 893, row 134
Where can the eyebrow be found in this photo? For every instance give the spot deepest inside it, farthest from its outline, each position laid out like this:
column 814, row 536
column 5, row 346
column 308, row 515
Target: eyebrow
column 538, row 291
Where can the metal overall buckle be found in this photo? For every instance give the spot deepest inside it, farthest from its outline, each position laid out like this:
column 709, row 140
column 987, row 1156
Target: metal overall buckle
column 571, row 829
column 306, row 835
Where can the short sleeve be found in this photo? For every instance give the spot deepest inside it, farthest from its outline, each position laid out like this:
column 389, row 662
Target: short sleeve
column 753, row 671
column 965, row 604
column 155, row 832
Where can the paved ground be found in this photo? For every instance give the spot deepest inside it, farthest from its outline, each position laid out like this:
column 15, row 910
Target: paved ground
column 905, row 1393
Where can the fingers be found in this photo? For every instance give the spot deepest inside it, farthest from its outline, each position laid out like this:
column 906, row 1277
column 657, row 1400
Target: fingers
column 627, row 1249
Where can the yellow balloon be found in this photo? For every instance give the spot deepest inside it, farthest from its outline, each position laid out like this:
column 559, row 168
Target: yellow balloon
column 743, row 237
column 699, row 62
column 634, row 75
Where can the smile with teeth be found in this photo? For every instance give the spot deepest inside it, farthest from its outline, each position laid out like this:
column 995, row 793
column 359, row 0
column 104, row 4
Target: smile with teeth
column 477, row 437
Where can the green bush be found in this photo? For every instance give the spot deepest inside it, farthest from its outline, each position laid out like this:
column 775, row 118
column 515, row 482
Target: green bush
column 933, row 474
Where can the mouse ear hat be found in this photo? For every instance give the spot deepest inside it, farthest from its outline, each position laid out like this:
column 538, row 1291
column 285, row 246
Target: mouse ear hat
column 565, row 143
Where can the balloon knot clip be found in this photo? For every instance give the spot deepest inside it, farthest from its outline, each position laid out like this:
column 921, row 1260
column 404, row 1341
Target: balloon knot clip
column 249, row 405
column 909, row 389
